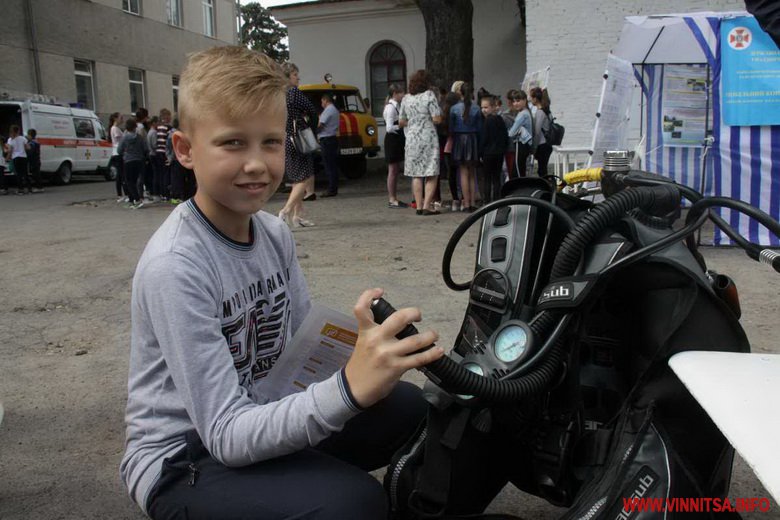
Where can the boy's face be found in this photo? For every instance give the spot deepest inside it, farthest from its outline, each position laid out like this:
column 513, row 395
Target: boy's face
column 487, row 108
column 238, row 164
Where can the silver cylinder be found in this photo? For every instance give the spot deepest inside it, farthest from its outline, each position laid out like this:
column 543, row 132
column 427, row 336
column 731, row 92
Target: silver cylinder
column 617, row 160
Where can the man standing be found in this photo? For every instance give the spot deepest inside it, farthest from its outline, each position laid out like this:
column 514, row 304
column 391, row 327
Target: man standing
column 326, row 131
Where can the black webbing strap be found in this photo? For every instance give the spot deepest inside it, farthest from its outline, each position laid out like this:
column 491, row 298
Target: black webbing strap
column 445, row 431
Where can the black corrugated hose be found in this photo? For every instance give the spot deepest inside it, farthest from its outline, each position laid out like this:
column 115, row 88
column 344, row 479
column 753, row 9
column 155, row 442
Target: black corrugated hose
column 456, row 379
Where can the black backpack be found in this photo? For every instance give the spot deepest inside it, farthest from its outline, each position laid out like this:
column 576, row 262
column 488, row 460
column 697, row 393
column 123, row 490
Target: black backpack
column 554, row 133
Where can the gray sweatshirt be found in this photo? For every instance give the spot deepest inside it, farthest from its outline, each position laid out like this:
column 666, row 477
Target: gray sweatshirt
column 210, row 316
column 133, row 147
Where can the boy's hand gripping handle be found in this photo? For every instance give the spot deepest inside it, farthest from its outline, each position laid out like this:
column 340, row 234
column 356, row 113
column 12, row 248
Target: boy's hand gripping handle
column 382, row 310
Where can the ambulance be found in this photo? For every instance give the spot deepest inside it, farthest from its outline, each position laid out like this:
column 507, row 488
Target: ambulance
column 357, row 135
column 73, row 140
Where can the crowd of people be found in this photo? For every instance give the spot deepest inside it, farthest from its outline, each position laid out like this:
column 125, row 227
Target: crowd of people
column 148, row 170
column 476, row 145
column 21, row 155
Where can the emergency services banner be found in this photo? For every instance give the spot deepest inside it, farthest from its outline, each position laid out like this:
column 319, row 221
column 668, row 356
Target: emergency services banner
column 750, row 63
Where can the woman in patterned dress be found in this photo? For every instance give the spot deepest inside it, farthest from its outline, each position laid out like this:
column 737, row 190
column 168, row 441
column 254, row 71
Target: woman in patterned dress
column 298, row 168
column 419, row 113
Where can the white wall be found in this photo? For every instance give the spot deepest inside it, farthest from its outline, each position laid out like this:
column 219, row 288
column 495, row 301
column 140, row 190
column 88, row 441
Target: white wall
column 574, row 38
column 340, row 44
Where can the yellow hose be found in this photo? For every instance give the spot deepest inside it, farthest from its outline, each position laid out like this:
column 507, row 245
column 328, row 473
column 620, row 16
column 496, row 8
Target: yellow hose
column 582, row 175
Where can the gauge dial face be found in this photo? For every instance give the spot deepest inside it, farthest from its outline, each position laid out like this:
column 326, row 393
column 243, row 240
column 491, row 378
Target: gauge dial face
column 511, row 343
column 471, row 367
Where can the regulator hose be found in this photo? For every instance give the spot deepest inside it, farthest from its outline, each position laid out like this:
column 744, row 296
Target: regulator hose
column 601, row 216
column 453, row 377
column 458, row 380
column 464, row 226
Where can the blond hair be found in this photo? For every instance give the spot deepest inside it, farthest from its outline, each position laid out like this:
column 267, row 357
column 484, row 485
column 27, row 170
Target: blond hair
column 231, row 81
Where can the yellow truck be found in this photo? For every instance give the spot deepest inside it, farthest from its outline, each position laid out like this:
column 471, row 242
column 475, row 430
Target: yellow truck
column 357, row 127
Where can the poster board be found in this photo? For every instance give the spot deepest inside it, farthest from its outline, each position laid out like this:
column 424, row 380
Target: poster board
column 685, row 104
column 538, row 78
column 612, row 117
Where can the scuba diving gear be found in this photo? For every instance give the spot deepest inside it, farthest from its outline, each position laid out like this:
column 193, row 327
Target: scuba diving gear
column 558, row 381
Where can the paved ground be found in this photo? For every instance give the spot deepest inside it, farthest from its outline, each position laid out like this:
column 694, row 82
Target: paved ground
column 67, row 260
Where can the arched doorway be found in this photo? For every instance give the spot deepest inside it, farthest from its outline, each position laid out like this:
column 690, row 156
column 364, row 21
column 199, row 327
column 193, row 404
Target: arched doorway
column 387, row 65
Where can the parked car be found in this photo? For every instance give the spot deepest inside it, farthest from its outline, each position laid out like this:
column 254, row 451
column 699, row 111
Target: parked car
column 357, row 127
column 73, row 140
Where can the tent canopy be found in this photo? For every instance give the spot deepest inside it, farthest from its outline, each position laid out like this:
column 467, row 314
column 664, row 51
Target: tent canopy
column 667, row 38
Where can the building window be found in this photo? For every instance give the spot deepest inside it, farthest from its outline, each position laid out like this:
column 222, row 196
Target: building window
column 174, row 12
column 175, row 84
column 85, row 93
column 132, row 6
column 137, row 99
column 208, row 17
column 388, row 65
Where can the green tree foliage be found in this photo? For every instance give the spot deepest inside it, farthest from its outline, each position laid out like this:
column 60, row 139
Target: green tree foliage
column 260, row 32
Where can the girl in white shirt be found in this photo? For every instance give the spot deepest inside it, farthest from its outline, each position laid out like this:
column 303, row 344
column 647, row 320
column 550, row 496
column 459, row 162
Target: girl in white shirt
column 394, row 143
column 115, row 121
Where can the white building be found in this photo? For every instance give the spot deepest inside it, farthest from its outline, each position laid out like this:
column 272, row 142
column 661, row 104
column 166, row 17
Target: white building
column 372, row 43
column 572, row 37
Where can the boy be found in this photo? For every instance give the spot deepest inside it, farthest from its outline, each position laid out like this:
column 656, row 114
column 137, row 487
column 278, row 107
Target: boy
column 133, row 149
column 34, row 160
column 494, row 140
column 217, row 295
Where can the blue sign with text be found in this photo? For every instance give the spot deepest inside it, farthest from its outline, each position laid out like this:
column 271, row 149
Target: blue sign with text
column 750, row 74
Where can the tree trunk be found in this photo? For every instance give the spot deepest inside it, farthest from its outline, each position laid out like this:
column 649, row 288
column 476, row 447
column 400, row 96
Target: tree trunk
column 449, row 45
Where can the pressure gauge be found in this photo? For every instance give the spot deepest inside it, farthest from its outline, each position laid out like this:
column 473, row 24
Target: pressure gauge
column 511, row 343
column 471, row 367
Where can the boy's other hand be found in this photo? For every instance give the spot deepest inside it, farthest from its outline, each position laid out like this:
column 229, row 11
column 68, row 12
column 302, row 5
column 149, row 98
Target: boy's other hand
column 379, row 359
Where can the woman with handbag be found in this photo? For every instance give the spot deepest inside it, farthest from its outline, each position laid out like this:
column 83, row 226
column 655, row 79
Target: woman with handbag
column 298, row 165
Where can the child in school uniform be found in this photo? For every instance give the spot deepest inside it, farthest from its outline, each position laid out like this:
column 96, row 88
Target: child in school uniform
column 217, row 296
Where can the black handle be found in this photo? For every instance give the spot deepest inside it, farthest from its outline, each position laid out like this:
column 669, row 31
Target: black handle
column 382, row 310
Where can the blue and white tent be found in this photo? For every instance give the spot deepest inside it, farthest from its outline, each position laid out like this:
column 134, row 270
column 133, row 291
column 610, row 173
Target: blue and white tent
column 744, row 161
